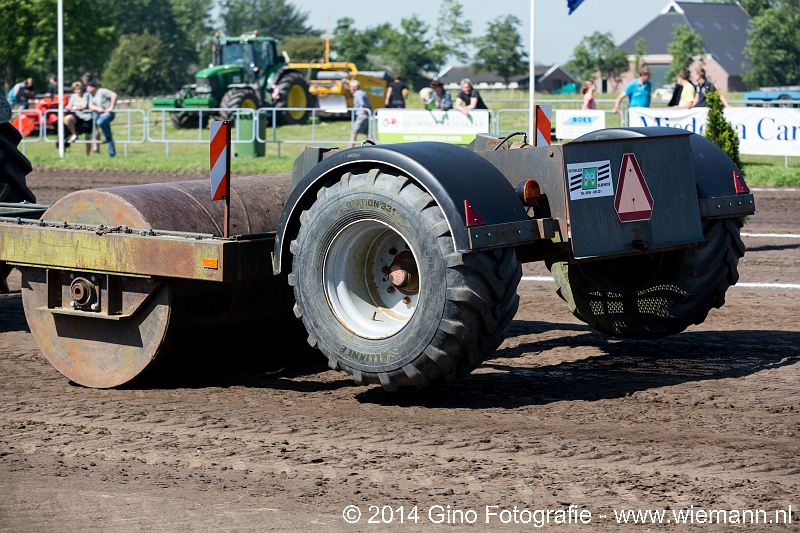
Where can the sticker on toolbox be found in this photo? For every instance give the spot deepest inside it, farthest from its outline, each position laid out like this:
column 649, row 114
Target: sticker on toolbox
column 590, row 180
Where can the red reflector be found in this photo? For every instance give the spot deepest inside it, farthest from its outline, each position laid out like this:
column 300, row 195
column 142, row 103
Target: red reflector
column 738, row 182
column 473, row 217
column 529, row 192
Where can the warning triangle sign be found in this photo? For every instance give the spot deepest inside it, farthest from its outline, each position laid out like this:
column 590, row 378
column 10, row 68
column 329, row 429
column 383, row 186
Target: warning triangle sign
column 633, row 201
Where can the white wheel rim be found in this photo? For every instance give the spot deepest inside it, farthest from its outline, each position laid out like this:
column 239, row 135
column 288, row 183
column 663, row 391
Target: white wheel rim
column 358, row 291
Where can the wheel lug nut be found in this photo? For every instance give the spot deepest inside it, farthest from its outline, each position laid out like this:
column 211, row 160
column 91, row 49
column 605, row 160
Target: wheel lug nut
column 406, row 300
column 393, row 251
column 390, row 290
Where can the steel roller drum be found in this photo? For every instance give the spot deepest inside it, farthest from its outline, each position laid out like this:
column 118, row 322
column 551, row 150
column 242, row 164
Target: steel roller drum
column 182, row 324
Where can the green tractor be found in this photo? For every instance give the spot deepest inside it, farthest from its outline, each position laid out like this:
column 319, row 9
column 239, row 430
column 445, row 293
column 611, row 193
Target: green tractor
column 247, row 73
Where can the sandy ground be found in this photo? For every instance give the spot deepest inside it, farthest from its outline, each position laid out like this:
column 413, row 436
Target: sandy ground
column 559, row 416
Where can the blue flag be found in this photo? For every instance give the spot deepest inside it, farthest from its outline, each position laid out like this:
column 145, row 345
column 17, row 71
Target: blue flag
column 573, row 5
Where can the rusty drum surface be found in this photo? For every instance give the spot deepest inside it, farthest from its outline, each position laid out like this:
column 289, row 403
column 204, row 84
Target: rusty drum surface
column 179, row 320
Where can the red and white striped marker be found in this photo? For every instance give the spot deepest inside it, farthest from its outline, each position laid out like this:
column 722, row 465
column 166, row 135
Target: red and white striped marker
column 543, row 125
column 220, row 158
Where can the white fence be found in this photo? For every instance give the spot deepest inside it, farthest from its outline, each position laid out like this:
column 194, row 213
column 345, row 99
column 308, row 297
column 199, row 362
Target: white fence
column 136, row 126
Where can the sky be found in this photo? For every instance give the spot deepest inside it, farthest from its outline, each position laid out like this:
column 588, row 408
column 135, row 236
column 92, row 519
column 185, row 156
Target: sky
column 556, row 33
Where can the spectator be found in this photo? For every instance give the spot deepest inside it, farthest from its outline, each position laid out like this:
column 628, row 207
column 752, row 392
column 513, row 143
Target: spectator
column 81, row 117
column 361, row 104
column 396, row 93
column 87, row 78
column 703, row 87
column 102, row 102
column 588, row 95
column 441, row 98
column 638, row 91
column 52, row 89
column 21, row 92
column 687, row 90
column 677, row 89
column 469, row 98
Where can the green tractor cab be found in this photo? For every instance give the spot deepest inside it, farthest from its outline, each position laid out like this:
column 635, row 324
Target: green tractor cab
column 247, row 73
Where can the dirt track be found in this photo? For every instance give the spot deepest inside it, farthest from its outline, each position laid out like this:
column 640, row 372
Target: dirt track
column 560, row 415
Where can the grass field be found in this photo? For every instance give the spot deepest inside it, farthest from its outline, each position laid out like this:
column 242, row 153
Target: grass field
column 186, row 151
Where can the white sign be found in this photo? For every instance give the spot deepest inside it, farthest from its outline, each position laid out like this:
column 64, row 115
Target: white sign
column 590, row 180
column 412, row 125
column 572, row 123
column 761, row 130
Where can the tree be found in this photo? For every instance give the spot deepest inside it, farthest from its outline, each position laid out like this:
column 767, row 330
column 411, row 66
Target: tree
column 640, row 50
column 181, row 25
column 686, row 44
column 303, row 49
column 355, row 45
column 454, row 30
column 598, row 53
column 409, row 51
column 773, row 46
column 139, row 66
column 500, row 50
column 31, row 49
column 720, row 131
column 273, row 18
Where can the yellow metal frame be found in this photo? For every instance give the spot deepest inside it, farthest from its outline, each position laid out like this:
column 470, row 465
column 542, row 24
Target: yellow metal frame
column 133, row 254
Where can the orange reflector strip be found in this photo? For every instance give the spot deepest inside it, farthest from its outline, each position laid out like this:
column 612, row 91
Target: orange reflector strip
column 211, row 263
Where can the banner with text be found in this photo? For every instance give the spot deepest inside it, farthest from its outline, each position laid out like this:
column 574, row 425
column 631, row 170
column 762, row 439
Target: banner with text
column 412, row 125
column 572, row 123
column 761, row 130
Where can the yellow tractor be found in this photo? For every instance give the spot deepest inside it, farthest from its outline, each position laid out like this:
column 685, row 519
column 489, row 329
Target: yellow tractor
column 327, row 85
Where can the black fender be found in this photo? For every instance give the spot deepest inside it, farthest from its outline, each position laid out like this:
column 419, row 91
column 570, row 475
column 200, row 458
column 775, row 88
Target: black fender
column 713, row 169
column 450, row 174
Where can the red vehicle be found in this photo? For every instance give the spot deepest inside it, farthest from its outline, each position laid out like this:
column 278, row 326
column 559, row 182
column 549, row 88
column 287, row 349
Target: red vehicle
column 29, row 121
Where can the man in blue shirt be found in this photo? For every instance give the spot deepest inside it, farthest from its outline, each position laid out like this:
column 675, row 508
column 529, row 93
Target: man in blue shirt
column 637, row 90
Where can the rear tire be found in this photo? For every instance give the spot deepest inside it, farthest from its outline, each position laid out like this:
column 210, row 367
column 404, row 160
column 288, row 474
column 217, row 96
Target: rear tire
column 457, row 318
column 13, row 188
column 13, row 167
column 186, row 119
column 292, row 92
column 627, row 298
column 245, row 98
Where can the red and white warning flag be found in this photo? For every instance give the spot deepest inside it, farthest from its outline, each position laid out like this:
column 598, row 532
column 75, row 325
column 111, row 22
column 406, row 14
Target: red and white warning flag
column 544, row 114
column 220, row 159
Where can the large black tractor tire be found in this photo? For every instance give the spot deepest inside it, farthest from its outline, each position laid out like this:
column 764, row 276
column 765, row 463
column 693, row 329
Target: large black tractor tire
column 292, row 91
column 187, row 119
column 239, row 98
column 651, row 296
column 13, row 168
column 360, row 228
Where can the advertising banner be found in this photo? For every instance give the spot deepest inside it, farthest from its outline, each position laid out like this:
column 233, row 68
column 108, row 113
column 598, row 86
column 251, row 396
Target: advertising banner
column 572, row 123
column 412, row 125
column 761, row 130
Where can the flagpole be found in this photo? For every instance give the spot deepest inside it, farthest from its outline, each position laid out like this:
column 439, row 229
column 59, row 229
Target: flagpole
column 531, row 86
column 60, row 9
